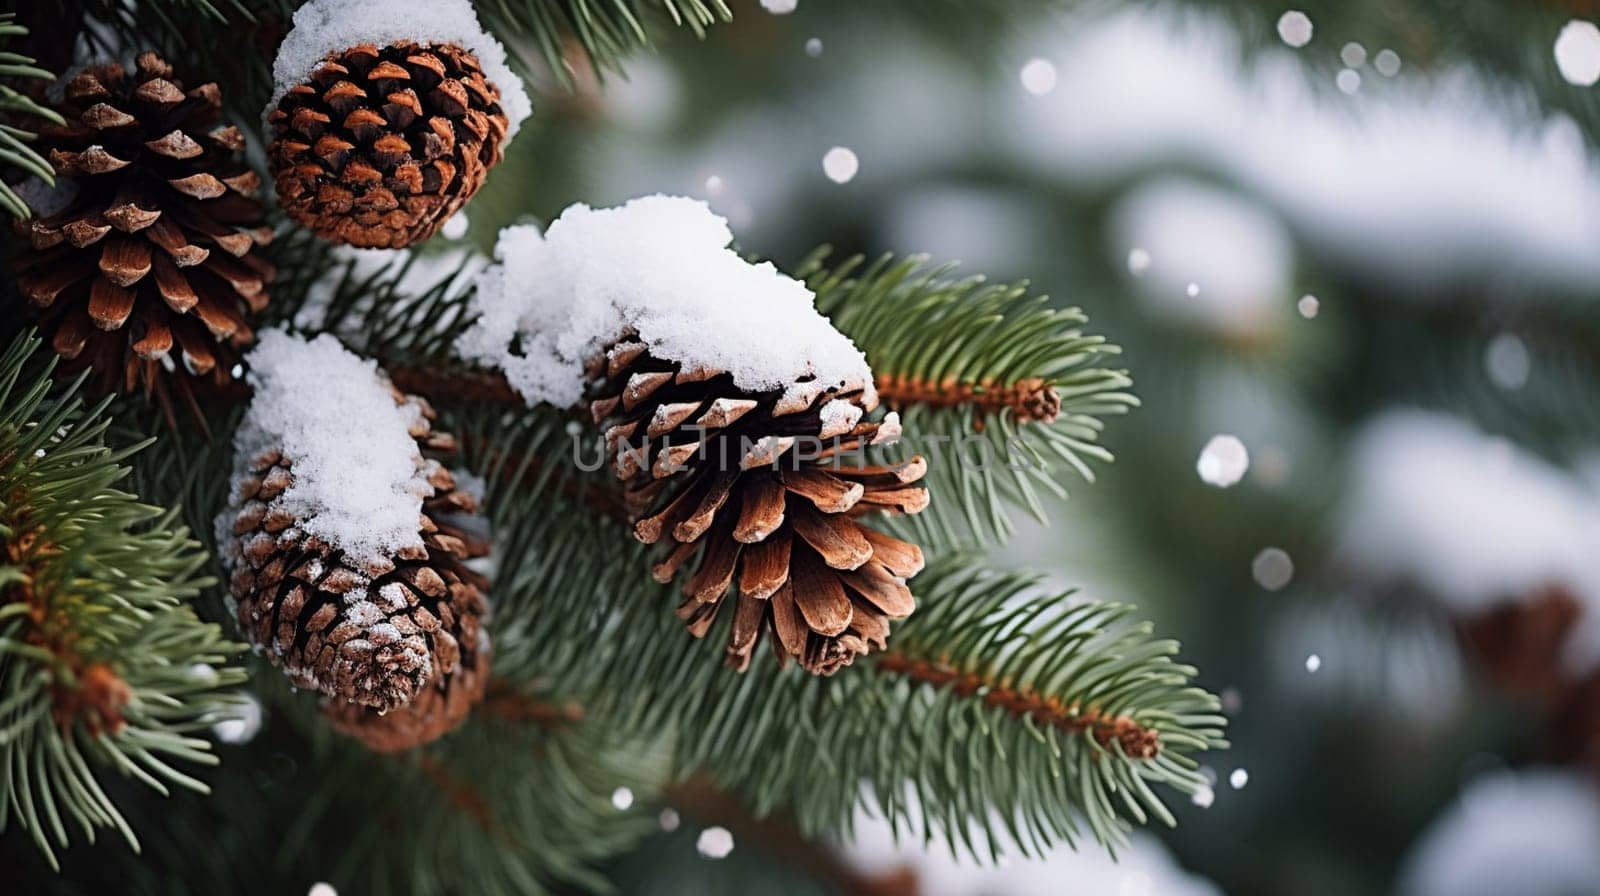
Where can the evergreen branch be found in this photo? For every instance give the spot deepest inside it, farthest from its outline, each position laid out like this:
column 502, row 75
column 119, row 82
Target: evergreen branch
column 1069, row 716
column 16, row 108
column 606, row 31
column 102, row 661
column 1010, row 383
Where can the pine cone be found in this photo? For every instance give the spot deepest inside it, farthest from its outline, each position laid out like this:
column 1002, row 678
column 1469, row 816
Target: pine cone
column 727, row 474
column 152, row 262
column 443, row 704
column 381, row 146
column 380, row 633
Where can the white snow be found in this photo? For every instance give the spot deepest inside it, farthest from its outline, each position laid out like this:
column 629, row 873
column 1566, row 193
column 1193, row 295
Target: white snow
column 714, row 843
column 1142, row 866
column 841, row 164
column 1295, row 28
column 661, row 266
column 1532, row 833
column 1272, row 569
column 1472, row 518
column 1223, row 461
column 242, row 723
column 1578, row 53
column 359, row 480
column 1205, row 256
column 329, row 26
column 1435, row 179
column 1038, row 76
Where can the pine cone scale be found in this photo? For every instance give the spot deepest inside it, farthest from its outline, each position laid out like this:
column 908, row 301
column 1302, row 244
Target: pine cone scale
column 720, row 475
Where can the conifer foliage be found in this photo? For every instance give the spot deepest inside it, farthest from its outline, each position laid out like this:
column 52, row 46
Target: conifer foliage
column 390, row 453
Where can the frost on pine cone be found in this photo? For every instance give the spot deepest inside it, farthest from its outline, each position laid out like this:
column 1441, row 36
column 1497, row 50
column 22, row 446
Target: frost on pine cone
column 399, row 639
column 767, row 489
column 382, row 145
column 151, row 265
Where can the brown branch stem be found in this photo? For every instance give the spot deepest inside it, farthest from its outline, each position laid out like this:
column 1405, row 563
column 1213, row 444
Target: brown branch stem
column 1137, row 741
column 1030, row 399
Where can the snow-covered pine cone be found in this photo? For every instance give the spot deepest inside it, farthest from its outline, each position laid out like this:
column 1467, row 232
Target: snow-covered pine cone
column 442, row 705
column 383, row 144
column 728, row 475
column 150, row 270
column 377, row 632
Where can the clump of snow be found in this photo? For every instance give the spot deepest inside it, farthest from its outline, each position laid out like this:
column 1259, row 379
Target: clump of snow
column 1469, row 516
column 359, row 479
column 1193, row 235
column 1532, row 833
column 1142, row 866
column 330, row 26
column 660, row 266
column 1430, row 179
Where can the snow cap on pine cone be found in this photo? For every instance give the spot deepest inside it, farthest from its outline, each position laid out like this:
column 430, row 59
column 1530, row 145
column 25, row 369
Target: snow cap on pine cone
column 322, row 27
column 357, row 486
column 662, row 267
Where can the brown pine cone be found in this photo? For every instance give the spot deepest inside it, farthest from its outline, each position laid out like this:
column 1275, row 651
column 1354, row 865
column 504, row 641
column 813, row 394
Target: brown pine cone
column 378, row 633
column 382, row 145
column 151, row 265
column 443, row 704
column 729, row 476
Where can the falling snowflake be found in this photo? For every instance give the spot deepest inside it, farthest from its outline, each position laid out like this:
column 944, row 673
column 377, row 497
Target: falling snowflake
column 1272, row 569
column 715, row 843
column 1238, row 779
column 243, row 725
column 1138, row 262
column 1313, row 663
column 622, row 799
column 1294, row 27
column 1308, row 306
column 1387, row 62
column 814, row 47
column 1039, row 76
column 1223, row 461
column 1348, row 80
column 1578, row 53
column 840, row 164
column 779, row 7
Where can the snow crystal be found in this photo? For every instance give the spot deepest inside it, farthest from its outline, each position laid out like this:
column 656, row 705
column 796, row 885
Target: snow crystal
column 1295, row 28
column 359, row 481
column 1387, row 62
column 1238, row 779
column 661, row 266
column 1578, row 53
column 779, row 7
column 1507, row 361
column 1223, row 461
column 840, row 164
column 1039, row 76
column 1532, row 832
column 243, row 722
column 1272, row 569
column 622, row 799
column 329, row 26
column 714, row 843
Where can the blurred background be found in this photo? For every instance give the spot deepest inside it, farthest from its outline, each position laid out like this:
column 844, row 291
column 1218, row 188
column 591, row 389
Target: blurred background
column 1351, row 250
